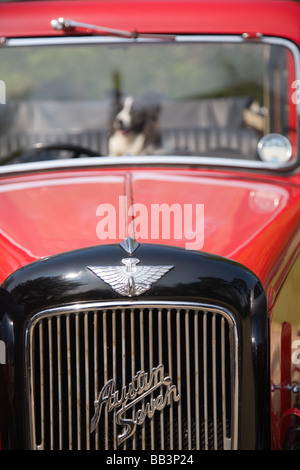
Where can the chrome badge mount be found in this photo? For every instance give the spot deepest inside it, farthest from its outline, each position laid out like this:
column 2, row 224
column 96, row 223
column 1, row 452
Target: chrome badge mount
column 130, row 280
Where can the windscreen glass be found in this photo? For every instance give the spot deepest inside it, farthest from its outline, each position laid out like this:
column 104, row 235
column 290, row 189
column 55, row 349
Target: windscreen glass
column 233, row 100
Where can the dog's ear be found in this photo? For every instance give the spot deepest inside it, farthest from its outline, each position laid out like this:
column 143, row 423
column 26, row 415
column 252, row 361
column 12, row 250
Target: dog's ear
column 152, row 103
column 154, row 112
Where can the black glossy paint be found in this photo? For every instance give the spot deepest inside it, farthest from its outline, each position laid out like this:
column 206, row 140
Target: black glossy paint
column 65, row 279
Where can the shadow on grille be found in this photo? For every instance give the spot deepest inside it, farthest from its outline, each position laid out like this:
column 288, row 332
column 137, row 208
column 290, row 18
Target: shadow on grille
column 75, row 354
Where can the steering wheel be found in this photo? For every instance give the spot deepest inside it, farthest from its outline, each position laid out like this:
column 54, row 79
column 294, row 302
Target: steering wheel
column 35, row 153
column 75, row 150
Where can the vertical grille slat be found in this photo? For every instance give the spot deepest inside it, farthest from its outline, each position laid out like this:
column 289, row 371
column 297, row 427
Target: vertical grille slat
column 69, row 365
column 188, row 380
column 73, row 354
column 214, row 381
column 170, row 362
column 224, row 412
column 96, row 368
column 59, row 385
column 114, row 370
column 142, row 365
column 133, row 354
column 87, row 378
column 42, row 385
column 178, row 337
column 197, row 379
column 51, row 384
column 205, row 380
column 78, row 376
column 105, row 373
column 160, row 360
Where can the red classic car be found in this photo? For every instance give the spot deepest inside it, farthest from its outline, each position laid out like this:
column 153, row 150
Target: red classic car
column 150, row 225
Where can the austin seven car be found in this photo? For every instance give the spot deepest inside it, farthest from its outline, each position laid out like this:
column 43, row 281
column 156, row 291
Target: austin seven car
column 150, row 225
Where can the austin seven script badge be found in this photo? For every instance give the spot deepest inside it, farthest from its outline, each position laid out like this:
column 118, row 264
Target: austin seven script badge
column 130, row 280
column 136, row 402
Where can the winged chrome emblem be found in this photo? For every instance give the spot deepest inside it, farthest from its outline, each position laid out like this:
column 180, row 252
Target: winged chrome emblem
column 130, row 280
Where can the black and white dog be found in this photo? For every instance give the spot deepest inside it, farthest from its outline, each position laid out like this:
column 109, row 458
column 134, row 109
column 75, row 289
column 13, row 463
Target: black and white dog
column 135, row 128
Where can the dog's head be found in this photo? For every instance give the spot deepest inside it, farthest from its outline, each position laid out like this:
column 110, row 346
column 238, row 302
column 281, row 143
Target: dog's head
column 135, row 115
column 135, row 128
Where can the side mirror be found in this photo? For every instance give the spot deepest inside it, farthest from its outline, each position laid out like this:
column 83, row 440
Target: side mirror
column 274, row 148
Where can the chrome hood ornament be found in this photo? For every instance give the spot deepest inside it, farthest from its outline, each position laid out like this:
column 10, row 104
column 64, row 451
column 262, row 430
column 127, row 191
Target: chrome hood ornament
column 129, row 245
column 130, row 280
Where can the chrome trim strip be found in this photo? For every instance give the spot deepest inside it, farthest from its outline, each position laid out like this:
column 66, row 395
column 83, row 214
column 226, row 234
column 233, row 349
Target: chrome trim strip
column 106, row 39
column 120, row 162
column 79, row 40
column 87, row 307
column 153, row 160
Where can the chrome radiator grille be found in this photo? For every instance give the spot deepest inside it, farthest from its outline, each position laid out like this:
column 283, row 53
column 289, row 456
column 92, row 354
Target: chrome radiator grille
column 73, row 353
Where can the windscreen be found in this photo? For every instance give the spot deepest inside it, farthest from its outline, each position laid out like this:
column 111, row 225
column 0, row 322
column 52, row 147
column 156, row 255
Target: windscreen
column 217, row 99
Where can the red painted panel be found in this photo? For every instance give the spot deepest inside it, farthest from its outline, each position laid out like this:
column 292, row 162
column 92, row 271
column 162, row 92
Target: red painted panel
column 249, row 220
column 280, row 18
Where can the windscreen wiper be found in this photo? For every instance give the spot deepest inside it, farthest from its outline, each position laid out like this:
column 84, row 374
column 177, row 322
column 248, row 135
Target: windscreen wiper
column 70, row 25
